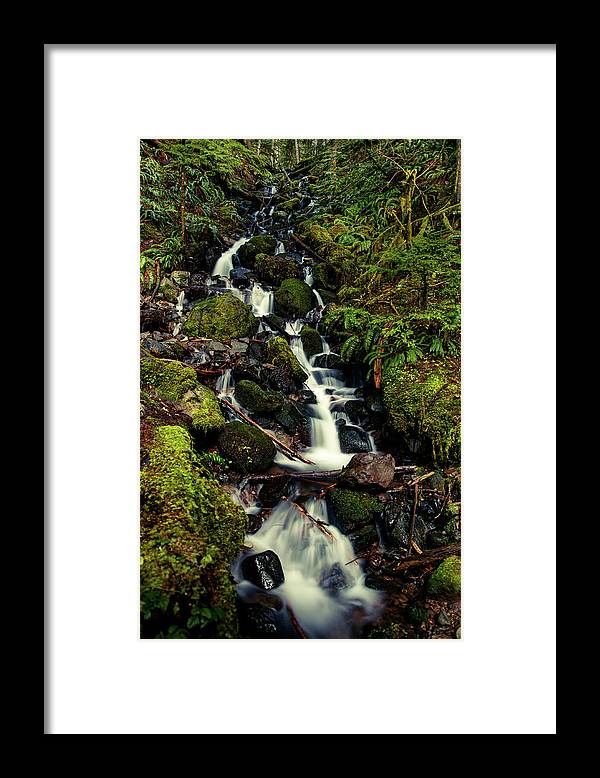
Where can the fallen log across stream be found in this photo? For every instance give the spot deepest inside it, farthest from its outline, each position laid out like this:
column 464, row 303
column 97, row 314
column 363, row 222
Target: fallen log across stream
column 427, row 557
column 316, row 474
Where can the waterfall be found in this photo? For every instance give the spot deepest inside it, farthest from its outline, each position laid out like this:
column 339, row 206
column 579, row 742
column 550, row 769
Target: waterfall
column 280, row 248
column 319, row 298
column 308, row 277
column 327, row 595
column 261, row 300
column 179, row 311
column 224, row 265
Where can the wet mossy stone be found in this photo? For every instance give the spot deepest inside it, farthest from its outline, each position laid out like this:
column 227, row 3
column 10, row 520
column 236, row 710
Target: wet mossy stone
column 352, row 509
column 311, row 341
column 220, row 317
column 274, row 270
column 255, row 399
column 165, row 349
column 280, row 354
column 191, row 531
column 326, row 277
column 445, row 580
column 423, row 401
column 263, row 570
column 248, row 449
column 293, row 299
column 259, row 244
column 177, row 383
column 168, row 290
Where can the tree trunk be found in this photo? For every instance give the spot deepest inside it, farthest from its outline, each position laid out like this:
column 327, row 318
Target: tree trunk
column 182, row 207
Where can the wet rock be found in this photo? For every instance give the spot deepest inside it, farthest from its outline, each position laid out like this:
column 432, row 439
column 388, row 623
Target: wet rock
column 307, row 396
column 259, row 244
column 442, row 619
column 293, row 299
column 276, row 323
column 220, row 317
column 248, row 449
column 353, row 439
column 266, row 599
column 271, row 492
column 197, row 292
column 238, row 346
column 329, row 361
column 168, row 290
column 357, row 411
column 263, row 570
column 396, row 520
column 256, row 400
column 334, row 578
column 279, row 353
column 311, row 341
column 372, row 469
column 272, row 270
column 165, row 349
column 257, row 621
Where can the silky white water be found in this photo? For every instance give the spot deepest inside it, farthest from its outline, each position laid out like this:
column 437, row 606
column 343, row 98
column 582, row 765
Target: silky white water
column 224, row 265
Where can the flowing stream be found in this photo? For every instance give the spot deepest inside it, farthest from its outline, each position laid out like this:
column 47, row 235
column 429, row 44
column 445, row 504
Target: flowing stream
column 324, row 589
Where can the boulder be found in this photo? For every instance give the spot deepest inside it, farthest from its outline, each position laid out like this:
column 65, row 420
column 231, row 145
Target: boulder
column 223, row 316
column 256, row 400
column 352, row 510
column 178, row 384
column 333, row 579
column 372, row 469
column 165, row 349
column 445, row 580
column 259, row 244
column 353, row 439
column 263, row 570
column 279, row 353
column 247, row 448
column 257, row 621
column 180, row 277
column 293, row 299
column 274, row 270
column 311, row 341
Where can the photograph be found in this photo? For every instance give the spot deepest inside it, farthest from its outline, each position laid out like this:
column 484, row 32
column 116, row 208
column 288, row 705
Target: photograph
column 300, row 388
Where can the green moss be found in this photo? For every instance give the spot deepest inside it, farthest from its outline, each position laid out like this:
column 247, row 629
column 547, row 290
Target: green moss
column 425, row 400
column 177, row 383
column 280, row 354
column 259, row 244
column 248, row 449
column 256, row 399
column 273, row 270
column 325, row 277
column 220, row 317
column 353, row 509
column 288, row 205
column 293, row 299
column 168, row 290
column 446, row 578
column 190, row 533
column 311, row 341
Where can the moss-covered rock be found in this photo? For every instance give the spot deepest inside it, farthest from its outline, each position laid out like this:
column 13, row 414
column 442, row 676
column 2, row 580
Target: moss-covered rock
column 256, row 399
column 280, row 354
column 325, row 277
column 274, row 270
column 248, row 449
column 190, row 533
column 352, row 509
column 445, row 580
column 223, row 317
column 259, row 244
column 288, row 205
column 168, row 290
column 311, row 341
column 177, row 383
column 424, row 401
column 293, row 299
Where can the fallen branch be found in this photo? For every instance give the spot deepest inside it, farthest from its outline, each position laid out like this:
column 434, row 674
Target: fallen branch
column 319, row 474
column 296, row 624
column 286, row 449
column 321, row 526
column 426, row 558
column 308, row 248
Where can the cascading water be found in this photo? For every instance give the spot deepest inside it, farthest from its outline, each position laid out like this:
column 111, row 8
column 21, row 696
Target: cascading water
column 324, row 585
column 179, row 310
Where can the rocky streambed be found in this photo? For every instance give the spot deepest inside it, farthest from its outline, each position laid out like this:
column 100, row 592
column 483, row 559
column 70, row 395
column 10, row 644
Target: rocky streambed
column 275, row 501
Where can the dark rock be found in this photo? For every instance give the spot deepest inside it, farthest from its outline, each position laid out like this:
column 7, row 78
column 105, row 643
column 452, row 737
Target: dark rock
column 372, row 469
column 267, row 599
column 257, row 621
column 293, row 299
column 443, row 619
column 248, row 449
column 271, row 492
column 307, row 396
column 263, row 570
column 329, row 361
column 396, row 519
column 357, row 411
column 334, row 578
column 165, row 349
column 353, row 439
